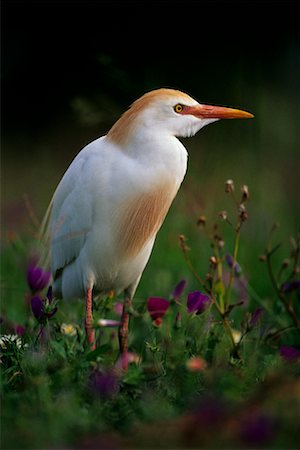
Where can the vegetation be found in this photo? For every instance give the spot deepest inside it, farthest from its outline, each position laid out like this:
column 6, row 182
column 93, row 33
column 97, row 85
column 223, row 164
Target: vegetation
column 213, row 364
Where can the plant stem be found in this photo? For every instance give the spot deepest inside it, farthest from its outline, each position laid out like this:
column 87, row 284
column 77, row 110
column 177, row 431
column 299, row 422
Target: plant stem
column 193, row 270
column 220, row 279
column 42, row 327
column 235, row 253
column 225, row 323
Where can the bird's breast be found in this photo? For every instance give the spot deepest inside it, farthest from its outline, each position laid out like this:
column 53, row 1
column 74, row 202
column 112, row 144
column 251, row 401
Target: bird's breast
column 141, row 218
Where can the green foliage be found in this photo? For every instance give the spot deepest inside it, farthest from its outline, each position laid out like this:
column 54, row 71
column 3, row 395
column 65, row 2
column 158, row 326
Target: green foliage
column 233, row 365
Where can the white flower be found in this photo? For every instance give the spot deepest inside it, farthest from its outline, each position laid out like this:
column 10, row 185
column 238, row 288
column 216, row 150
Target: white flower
column 7, row 339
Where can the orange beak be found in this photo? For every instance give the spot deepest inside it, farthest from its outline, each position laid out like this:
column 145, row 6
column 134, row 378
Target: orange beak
column 216, row 112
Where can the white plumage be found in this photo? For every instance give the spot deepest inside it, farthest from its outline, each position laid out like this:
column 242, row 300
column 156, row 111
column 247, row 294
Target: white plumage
column 113, row 198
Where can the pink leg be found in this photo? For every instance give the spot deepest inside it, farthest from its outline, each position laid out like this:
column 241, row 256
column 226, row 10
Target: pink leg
column 90, row 333
column 123, row 333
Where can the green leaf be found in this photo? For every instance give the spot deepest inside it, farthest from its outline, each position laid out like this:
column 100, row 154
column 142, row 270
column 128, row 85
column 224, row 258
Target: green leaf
column 134, row 376
column 59, row 348
column 92, row 356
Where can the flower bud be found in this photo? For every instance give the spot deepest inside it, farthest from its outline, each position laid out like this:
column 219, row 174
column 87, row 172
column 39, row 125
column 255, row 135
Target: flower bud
column 229, row 186
column 213, row 260
column 245, row 192
column 201, row 222
column 178, row 290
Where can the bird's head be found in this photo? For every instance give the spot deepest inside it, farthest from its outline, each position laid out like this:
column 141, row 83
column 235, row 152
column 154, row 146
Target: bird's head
column 168, row 111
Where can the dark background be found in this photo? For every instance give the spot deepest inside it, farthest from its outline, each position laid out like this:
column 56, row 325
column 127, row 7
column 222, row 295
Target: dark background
column 54, row 50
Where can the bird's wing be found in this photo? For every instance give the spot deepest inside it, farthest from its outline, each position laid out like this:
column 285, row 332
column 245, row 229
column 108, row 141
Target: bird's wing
column 68, row 219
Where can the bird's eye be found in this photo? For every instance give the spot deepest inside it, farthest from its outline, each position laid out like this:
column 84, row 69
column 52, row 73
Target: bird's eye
column 178, row 108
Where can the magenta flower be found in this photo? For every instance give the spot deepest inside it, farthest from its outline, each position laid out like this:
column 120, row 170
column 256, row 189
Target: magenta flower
column 20, row 330
column 289, row 353
column 157, row 307
column 197, row 302
column 37, row 278
column 178, row 290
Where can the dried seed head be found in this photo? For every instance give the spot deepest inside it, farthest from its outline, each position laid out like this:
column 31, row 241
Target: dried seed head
column 221, row 243
column 229, row 186
column 213, row 260
column 285, row 263
column 243, row 213
column 182, row 243
column 201, row 222
column 223, row 215
column 245, row 192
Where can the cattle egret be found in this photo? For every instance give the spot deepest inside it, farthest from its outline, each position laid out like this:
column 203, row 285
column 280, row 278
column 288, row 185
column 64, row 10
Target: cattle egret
column 113, row 199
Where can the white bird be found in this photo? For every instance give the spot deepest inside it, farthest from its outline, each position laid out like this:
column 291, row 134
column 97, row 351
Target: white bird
column 113, row 198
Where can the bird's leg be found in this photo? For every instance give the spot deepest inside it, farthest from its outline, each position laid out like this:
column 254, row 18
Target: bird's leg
column 90, row 333
column 123, row 332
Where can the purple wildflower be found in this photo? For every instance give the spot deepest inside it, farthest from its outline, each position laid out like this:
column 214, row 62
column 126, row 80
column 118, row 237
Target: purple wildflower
column 41, row 307
column 104, row 384
column 197, row 302
column 37, row 307
column 289, row 353
column 237, row 267
column 178, row 290
column 37, row 278
column 157, row 307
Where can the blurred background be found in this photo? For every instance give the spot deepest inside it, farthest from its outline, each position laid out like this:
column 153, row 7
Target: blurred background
column 70, row 68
